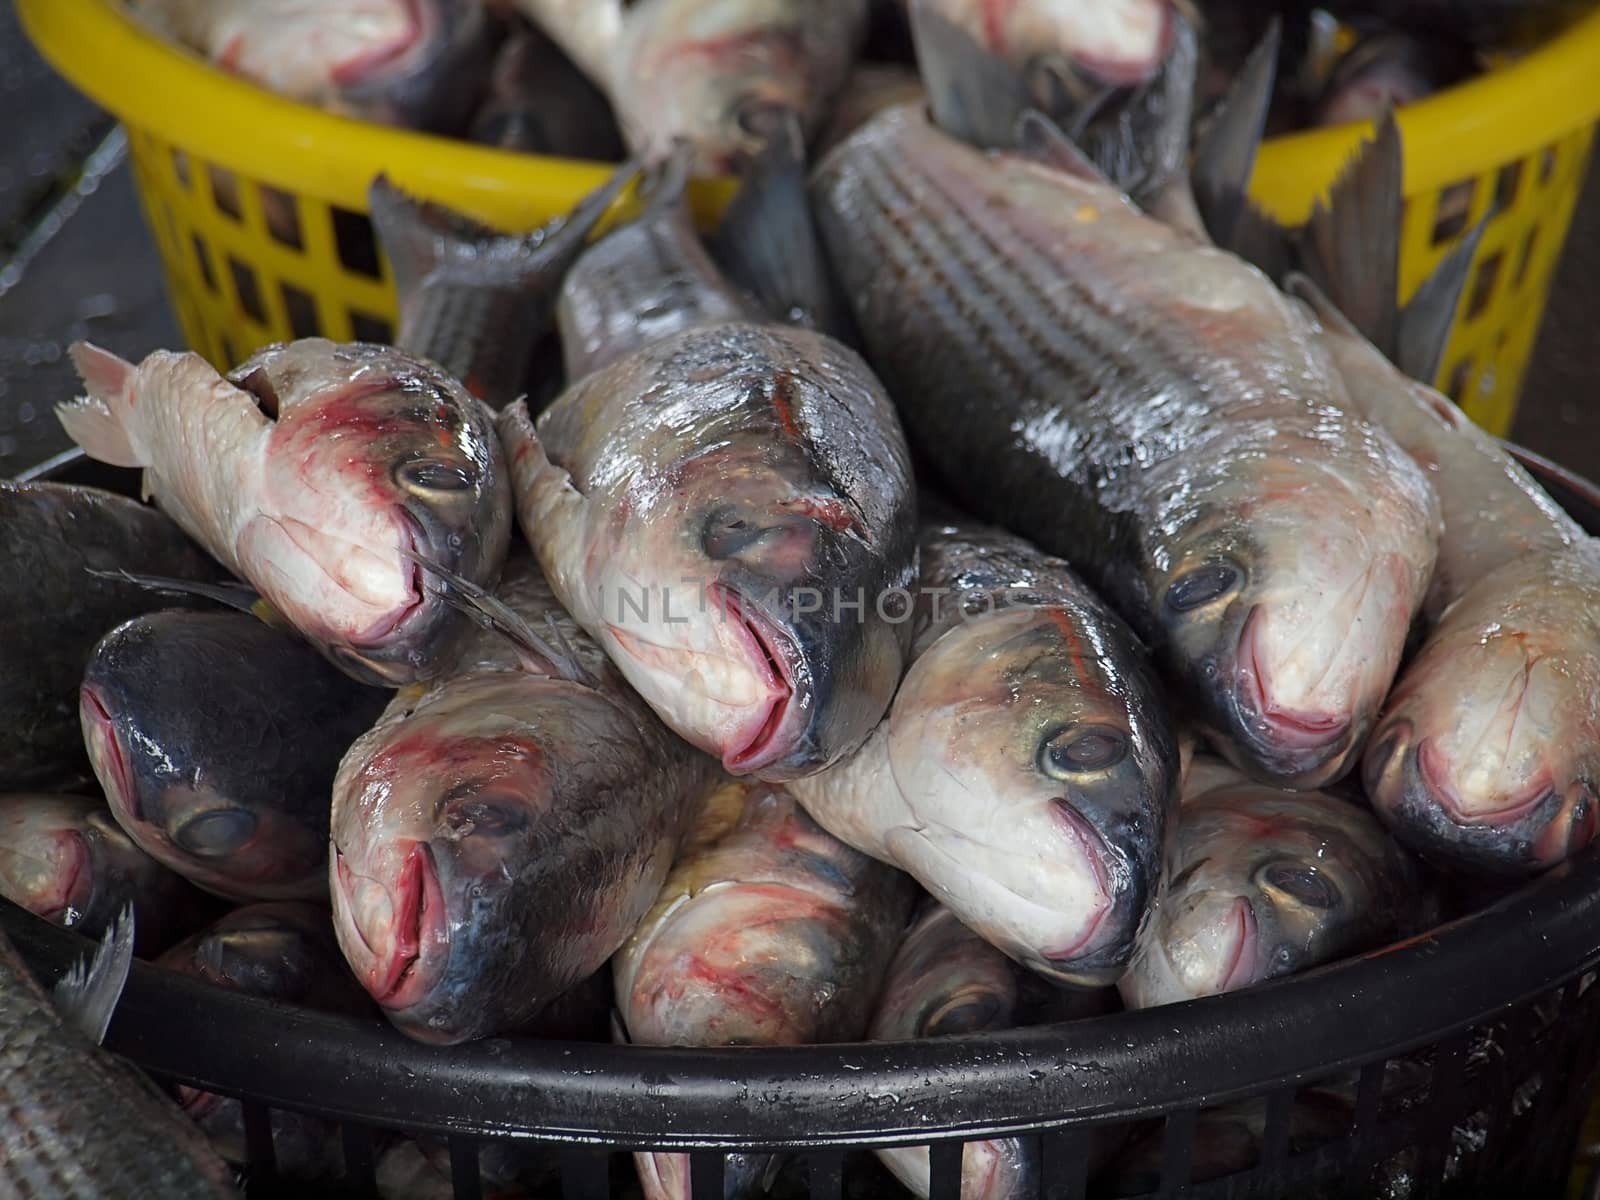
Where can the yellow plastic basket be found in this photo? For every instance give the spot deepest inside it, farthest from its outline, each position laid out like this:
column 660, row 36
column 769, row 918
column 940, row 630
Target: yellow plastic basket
column 258, row 204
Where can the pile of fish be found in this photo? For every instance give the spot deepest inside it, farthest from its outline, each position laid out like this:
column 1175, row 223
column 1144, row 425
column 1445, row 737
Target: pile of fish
column 998, row 563
column 587, row 79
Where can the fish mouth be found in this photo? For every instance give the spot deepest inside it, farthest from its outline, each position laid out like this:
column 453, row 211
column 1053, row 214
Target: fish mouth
column 1095, row 851
column 1420, row 774
column 410, row 542
column 1295, row 741
column 397, row 975
column 363, row 67
column 767, row 737
column 1240, row 971
column 105, row 752
column 1117, row 71
column 74, row 878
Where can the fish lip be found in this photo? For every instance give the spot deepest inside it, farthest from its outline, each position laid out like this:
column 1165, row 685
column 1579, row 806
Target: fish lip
column 1301, row 732
column 411, row 539
column 75, row 876
column 110, row 745
column 404, row 976
column 771, row 738
column 1430, row 776
column 358, row 70
column 1121, row 72
column 1095, row 852
column 1243, row 961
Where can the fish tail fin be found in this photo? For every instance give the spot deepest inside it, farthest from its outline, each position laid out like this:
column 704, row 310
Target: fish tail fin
column 1225, row 156
column 1430, row 315
column 1351, row 245
column 102, row 422
column 87, row 995
column 973, row 94
column 768, row 242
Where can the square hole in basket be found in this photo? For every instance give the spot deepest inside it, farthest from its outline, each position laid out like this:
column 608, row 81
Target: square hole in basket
column 282, row 216
column 225, row 191
column 180, row 167
column 1460, row 380
column 1506, row 185
column 365, row 327
column 357, row 247
column 1528, row 244
column 203, row 257
column 302, row 312
column 244, row 282
column 1483, row 285
column 1454, row 210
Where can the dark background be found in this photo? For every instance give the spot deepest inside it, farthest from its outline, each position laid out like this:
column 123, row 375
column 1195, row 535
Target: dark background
column 75, row 261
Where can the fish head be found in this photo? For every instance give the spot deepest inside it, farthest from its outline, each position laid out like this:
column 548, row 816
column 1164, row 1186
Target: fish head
column 1039, row 772
column 1487, row 758
column 1083, row 48
column 461, row 900
column 1284, row 596
column 750, row 641
column 429, row 76
column 156, row 746
column 1265, row 883
column 46, row 863
column 279, row 951
column 375, row 457
column 944, row 979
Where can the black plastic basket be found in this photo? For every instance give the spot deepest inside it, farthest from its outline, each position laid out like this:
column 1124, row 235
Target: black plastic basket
column 1494, row 1015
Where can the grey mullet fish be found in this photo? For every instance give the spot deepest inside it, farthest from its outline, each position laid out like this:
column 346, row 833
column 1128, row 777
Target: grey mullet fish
column 1153, row 410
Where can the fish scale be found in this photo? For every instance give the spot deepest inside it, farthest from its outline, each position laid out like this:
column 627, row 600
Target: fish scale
column 80, row 1126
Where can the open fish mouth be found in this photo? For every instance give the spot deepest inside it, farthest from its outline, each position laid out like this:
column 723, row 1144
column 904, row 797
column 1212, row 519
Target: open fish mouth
column 767, row 736
column 394, row 960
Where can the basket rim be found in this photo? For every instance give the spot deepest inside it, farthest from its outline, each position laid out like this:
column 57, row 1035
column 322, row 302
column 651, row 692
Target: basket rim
column 1459, row 133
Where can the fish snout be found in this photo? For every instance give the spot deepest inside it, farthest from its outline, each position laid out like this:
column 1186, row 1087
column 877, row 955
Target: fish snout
column 396, row 929
column 1118, row 864
column 106, row 754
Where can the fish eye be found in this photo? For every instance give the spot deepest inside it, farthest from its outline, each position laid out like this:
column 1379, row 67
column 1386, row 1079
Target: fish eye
column 1075, row 751
column 427, row 475
column 1201, row 586
column 215, row 833
column 1305, row 885
column 484, row 816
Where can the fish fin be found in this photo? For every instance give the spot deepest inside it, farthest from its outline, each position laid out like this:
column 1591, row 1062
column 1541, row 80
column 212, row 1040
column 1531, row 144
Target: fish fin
column 492, row 613
column 87, row 995
column 100, row 421
column 1429, row 317
column 665, row 186
column 1302, row 287
column 236, row 596
column 1351, row 246
column 973, row 94
column 1225, row 156
column 1038, row 137
column 1175, row 205
column 768, row 244
column 1260, row 240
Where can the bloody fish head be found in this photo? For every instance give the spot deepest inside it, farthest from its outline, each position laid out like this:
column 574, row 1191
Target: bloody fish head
column 480, row 865
column 1284, row 596
column 1266, row 883
column 754, row 612
column 1488, row 754
column 1037, row 771
column 215, row 738
column 375, row 456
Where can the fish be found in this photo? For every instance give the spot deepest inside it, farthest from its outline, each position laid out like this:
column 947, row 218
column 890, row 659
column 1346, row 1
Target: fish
column 414, row 63
column 871, row 88
column 283, row 951
column 539, row 102
column 63, row 858
column 1027, row 767
column 318, row 472
column 1389, row 70
column 53, row 610
column 472, row 299
column 1118, row 75
column 768, row 932
column 723, row 503
column 216, row 738
column 721, row 75
column 943, row 980
column 499, row 833
column 1149, row 408
column 1266, row 883
column 82, row 1125
column 1486, row 759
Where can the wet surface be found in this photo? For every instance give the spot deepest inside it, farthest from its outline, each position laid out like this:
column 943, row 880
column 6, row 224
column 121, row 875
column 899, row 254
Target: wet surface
column 76, row 261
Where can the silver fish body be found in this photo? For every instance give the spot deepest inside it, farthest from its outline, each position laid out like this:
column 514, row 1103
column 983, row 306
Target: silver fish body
column 724, row 505
column 1025, row 771
column 499, row 834
column 1151, row 409
column 53, row 611
column 1266, row 883
column 768, row 931
column 319, row 473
